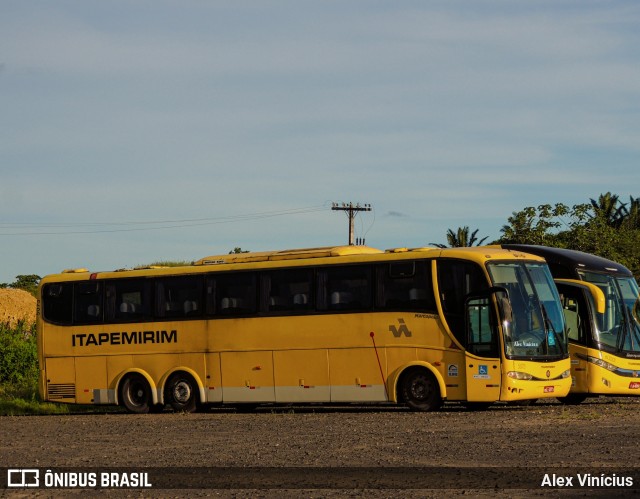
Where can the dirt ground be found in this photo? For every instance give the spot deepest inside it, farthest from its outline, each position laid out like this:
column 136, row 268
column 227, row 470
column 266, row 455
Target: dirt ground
column 349, row 451
column 16, row 304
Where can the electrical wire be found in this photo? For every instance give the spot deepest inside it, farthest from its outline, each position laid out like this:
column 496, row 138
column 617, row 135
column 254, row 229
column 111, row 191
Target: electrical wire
column 30, row 228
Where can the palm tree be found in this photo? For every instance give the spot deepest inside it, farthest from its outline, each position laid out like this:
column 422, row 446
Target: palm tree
column 632, row 218
column 609, row 207
column 461, row 238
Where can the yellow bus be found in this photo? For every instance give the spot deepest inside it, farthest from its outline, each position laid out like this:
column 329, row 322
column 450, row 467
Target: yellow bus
column 601, row 307
column 346, row 324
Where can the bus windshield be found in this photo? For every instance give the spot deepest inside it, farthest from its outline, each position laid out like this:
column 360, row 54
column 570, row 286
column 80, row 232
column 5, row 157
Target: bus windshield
column 535, row 328
column 618, row 328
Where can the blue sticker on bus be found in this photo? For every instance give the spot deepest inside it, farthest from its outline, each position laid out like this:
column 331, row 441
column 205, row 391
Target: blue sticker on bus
column 551, row 339
column 483, row 370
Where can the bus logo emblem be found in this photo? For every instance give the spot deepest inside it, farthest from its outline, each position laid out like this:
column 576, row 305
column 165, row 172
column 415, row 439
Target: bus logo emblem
column 399, row 331
column 548, row 373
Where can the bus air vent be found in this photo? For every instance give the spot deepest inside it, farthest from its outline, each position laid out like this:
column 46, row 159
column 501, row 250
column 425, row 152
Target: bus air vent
column 61, row 391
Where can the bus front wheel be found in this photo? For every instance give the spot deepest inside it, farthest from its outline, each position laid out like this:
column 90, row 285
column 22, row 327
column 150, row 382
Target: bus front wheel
column 136, row 394
column 419, row 390
column 182, row 393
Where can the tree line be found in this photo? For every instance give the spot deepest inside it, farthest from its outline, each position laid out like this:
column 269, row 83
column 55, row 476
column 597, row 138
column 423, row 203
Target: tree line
column 607, row 227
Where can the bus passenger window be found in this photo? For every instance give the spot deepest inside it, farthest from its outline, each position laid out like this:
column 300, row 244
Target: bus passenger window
column 179, row 297
column 88, row 302
column 405, row 286
column 235, row 294
column 128, row 300
column 344, row 288
column 287, row 290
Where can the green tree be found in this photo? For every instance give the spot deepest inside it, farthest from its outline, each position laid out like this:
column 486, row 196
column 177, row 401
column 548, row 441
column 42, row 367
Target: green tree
column 237, row 250
column 534, row 225
column 604, row 227
column 609, row 208
column 461, row 238
column 632, row 217
column 28, row 283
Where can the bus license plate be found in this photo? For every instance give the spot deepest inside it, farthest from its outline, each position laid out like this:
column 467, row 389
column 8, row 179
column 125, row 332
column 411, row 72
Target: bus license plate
column 548, row 389
column 634, row 385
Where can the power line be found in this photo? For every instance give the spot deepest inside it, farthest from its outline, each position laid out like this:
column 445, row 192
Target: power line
column 27, row 228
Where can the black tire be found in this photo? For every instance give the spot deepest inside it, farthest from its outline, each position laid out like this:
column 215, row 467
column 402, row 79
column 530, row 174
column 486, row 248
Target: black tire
column 419, row 390
column 182, row 393
column 136, row 394
column 573, row 398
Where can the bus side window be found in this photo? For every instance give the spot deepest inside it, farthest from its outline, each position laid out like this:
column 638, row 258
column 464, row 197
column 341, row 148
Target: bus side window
column 57, row 302
column 235, row 294
column 345, row 288
column 575, row 311
column 286, row 290
column 128, row 300
column 457, row 279
column 571, row 317
column 179, row 297
column 405, row 286
column 88, row 307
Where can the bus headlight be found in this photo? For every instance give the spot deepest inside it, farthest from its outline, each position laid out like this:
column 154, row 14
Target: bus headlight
column 519, row 375
column 602, row 363
column 566, row 374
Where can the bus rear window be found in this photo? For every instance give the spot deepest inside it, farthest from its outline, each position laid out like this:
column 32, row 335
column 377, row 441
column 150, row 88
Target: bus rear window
column 57, row 302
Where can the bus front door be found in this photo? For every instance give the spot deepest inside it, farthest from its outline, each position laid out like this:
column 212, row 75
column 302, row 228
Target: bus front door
column 582, row 306
column 483, row 371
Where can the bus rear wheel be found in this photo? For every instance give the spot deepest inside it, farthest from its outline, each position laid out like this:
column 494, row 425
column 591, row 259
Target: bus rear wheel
column 182, row 393
column 419, row 390
column 136, row 394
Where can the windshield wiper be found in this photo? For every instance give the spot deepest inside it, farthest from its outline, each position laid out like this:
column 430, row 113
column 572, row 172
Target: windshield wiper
column 625, row 326
column 549, row 328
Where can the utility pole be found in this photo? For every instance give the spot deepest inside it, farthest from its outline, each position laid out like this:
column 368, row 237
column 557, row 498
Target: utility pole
column 351, row 210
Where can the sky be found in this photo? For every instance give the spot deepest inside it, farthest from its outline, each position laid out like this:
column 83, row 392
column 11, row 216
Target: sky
column 140, row 131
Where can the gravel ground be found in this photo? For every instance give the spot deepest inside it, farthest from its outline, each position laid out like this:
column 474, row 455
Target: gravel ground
column 358, row 449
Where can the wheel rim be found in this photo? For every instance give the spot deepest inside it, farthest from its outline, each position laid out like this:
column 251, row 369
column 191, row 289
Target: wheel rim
column 137, row 394
column 182, row 392
column 419, row 389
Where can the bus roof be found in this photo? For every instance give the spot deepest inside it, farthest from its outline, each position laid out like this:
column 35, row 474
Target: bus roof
column 479, row 254
column 290, row 254
column 572, row 259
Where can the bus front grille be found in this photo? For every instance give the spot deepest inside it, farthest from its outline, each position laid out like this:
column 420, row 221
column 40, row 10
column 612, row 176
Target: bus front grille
column 61, row 391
